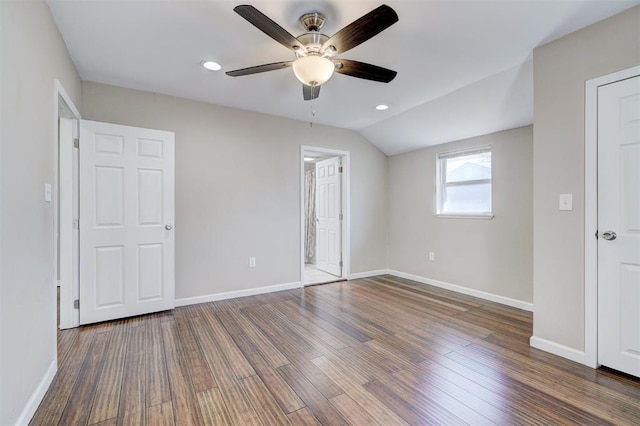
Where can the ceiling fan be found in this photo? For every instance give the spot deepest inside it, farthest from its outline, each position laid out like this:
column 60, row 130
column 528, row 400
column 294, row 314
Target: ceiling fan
column 315, row 62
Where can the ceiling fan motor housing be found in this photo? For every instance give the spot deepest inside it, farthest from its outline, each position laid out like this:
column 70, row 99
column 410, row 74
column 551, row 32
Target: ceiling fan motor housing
column 313, row 43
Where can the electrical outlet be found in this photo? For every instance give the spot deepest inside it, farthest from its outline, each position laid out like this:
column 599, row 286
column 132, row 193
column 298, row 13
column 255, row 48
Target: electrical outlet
column 432, row 256
column 252, row 262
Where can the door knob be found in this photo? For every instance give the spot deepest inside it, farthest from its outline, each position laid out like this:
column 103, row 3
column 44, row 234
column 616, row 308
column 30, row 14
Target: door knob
column 168, row 227
column 609, row 235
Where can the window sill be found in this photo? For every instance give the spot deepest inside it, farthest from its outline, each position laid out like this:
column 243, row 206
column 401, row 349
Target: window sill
column 465, row 216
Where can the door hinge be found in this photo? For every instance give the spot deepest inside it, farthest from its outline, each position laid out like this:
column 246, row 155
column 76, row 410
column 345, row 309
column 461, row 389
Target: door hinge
column 76, row 223
column 76, row 304
column 340, row 169
column 596, row 234
column 341, row 263
column 340, row 217
column 76, row 143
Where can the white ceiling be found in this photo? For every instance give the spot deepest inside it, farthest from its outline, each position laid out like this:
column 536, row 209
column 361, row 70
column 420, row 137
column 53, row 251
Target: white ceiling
column 464, row 67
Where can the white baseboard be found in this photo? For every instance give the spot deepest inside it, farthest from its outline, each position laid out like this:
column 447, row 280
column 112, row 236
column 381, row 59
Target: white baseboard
column 37, row 395
column 368, row 274
column 560, row 350
column 238, row 293
column 465, row 290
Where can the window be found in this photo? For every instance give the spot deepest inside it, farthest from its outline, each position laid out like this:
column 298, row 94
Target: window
column 464, row 183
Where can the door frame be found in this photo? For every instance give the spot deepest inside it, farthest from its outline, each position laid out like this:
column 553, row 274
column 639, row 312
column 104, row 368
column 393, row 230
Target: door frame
column 69, row 317
column 346, row 210
column 591, row 210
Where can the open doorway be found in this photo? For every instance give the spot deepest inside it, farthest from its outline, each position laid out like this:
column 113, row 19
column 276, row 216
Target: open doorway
column 66, row 119
column 324, row 188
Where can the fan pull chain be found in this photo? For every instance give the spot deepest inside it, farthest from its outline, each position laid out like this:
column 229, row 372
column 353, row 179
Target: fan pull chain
column 313, row 114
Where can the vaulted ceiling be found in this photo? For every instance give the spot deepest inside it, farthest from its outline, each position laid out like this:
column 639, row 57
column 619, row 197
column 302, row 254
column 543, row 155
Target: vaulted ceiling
column 464, row 67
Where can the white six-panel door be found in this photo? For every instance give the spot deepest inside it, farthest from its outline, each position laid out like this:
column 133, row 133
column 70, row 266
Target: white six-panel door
column 619, row 226
column 328, row 210
column 126, row 221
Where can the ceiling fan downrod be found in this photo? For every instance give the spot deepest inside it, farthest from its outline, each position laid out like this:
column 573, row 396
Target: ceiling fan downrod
column 313, row 21
column 312, row 40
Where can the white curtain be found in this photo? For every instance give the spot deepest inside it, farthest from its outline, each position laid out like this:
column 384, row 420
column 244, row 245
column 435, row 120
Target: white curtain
column 310, row 215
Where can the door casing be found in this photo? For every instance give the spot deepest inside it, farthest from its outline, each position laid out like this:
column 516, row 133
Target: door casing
column 591, row 211
column 346, row 210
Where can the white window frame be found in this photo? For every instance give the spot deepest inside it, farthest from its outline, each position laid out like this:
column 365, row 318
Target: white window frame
column 441, row 184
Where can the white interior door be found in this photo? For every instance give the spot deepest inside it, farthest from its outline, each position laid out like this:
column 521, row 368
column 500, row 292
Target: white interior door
column 619, row 226
column 328, row 211
column 126, row 221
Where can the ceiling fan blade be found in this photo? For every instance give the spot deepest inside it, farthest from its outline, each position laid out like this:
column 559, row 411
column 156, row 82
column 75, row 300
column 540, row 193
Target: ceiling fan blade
column 310, row 92
column 268, row 26
column 361, row 29
column 363, row 70
column 259, row 68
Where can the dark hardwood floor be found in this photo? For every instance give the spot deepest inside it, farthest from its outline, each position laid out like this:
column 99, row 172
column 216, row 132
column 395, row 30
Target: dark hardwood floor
column 373, row 351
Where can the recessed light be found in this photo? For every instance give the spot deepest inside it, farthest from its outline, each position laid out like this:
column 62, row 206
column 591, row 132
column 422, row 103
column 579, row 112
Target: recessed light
column 382, row 107
column 211, row 66
column 309, row 158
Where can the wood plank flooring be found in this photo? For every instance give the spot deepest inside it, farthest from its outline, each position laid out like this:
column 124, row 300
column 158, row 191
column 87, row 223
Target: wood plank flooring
column 374, row 351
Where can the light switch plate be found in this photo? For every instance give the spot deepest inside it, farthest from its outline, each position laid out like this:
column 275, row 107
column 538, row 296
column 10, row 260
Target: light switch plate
column 565, row 202
column 48, row 196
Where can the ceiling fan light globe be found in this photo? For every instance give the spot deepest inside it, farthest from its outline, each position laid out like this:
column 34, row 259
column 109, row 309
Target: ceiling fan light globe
column 313, row 70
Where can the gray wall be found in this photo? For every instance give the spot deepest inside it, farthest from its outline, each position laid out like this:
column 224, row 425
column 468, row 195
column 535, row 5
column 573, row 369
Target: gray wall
column 560, row 71
column 33, row 54
column 495, row 255
column 238, row 188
